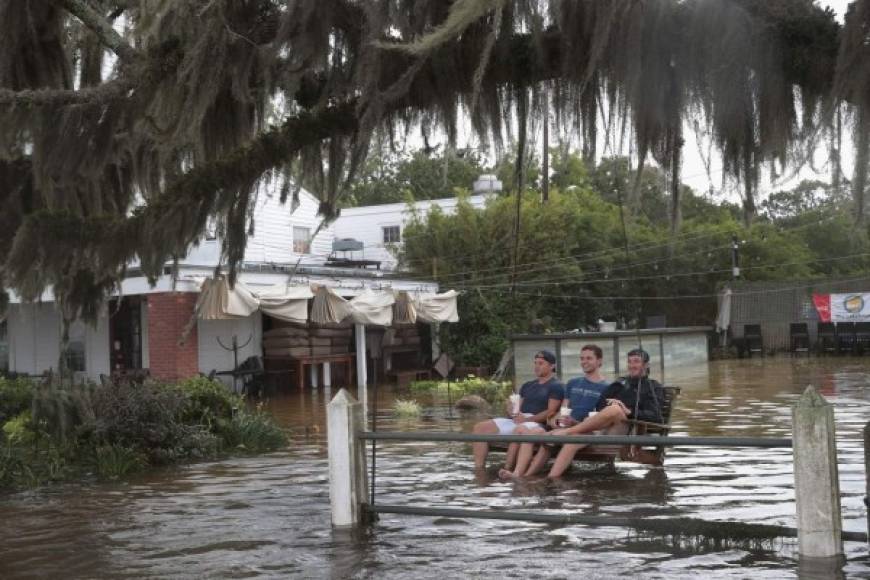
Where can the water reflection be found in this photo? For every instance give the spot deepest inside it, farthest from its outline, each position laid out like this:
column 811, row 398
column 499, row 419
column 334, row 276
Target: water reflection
column 268, row 516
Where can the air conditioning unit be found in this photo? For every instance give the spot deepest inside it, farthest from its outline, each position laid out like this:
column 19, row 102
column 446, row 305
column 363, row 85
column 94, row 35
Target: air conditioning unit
column 347, row 245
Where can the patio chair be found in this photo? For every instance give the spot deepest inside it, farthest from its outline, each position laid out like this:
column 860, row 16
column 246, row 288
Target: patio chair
column 799, row 336
column 862, row 336
column 754, row 341
column 846, row 340
column 826, row 340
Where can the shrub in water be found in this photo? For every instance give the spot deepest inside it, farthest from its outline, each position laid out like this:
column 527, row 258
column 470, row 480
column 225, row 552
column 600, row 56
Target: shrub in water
column 116, row 461
column 402, row 408
column 253, row 431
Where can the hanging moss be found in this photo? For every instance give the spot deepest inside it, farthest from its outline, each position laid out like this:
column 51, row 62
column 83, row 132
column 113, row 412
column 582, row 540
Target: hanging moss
column 205, row 100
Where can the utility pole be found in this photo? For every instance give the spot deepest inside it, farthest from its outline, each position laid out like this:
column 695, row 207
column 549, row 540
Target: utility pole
column 735, row 258
column 545, row 170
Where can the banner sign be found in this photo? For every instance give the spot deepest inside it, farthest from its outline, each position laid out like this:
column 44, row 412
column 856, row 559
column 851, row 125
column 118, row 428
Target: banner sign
column 853, row 307
column 823, row 306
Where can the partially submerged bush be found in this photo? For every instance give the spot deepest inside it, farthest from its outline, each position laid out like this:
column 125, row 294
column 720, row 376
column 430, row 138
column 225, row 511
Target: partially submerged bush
column 406, row 409
column 494, row 392
column 112, row 430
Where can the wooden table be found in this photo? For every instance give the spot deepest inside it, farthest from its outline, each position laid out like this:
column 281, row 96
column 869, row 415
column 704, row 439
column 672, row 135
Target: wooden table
column 299, row 364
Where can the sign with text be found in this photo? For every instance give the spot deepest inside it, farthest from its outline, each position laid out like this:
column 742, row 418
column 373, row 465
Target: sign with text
column 854, row 307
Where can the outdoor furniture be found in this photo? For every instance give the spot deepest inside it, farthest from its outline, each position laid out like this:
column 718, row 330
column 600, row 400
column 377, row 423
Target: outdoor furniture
column 250, row 371
column 299, row 364
column 846, row 336
column 644, row 454
column 826, row 334
column 753, row 340
column 799, row 337
column 862, row 336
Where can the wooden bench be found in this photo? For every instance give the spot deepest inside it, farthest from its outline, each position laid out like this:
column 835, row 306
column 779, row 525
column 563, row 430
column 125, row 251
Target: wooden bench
column 644, row 454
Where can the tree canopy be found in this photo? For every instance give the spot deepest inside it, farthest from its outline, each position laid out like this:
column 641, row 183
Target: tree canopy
column 125, row 125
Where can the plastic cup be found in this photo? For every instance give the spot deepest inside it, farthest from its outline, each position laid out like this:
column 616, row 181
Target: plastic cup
column 515, row 404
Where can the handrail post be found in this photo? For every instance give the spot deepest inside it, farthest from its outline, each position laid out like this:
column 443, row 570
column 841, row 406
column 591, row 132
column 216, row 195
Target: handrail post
column 348, row 487
column 817, row 486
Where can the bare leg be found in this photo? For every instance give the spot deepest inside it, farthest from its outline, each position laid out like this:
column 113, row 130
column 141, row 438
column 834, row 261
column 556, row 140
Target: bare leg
column 609, row 417
column 524, row 456
column 511, row 455
column 481, row 448
column 563, row 459
column 539, row 461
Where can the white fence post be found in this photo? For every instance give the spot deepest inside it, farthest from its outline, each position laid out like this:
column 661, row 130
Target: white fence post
column 816, row 481
column 348, row 486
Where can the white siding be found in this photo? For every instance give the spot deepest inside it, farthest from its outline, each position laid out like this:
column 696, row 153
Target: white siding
column 214, row 357
column 366, row 224
column 34, row 340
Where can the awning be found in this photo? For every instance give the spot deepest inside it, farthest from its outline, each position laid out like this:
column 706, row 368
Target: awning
column 218, row 301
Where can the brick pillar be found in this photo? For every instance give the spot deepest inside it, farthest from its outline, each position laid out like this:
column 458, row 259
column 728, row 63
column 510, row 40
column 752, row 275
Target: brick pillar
column 168, row 314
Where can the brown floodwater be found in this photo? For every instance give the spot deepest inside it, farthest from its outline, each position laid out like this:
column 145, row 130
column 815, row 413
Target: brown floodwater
column 268, row 516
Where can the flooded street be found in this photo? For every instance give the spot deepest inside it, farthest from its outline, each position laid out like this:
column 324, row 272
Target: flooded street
column 268, row 516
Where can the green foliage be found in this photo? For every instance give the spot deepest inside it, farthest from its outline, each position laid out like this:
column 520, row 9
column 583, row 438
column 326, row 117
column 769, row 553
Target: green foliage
column 395, row 178
column 573, row 266
column 19, row 429
column 494, row 392
column 66, row 431
column 406, row 409
column 253, row 431
column 15, row 396
column 116, row 462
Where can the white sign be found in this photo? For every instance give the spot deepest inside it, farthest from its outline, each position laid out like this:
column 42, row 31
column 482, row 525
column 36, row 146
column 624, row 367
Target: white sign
column 850, row 307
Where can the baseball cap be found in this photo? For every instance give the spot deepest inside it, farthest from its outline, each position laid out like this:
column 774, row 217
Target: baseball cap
column 547, row 356
column 644, row 355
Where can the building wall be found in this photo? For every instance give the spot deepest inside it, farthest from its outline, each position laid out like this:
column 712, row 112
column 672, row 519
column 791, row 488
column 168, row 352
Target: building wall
column 34, row 340
column 212, row 356
column 168, row 314
column 366, row 224
column 273, row 233
column 681, row 347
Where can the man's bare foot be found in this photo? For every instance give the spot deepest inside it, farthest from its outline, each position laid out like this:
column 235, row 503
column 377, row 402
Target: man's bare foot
column 505, row 474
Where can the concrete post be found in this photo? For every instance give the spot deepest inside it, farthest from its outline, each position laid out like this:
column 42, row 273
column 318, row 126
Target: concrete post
column 361, row 371
column 327, row 375
column 348, row 486
column 435, row 331
column 312, row 373
column 817, row 485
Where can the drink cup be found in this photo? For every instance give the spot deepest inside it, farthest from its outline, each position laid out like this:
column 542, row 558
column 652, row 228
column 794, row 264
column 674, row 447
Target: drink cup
column 564, row 416
column 515, row 404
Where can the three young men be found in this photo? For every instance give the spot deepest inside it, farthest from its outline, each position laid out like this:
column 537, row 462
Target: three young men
column 633, row 397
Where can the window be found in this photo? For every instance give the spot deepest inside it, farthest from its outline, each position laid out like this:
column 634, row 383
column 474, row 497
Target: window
column 301, row 240
column 392, row 234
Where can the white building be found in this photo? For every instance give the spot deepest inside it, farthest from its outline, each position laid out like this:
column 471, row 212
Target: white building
column 381, row 227
column 141, row 328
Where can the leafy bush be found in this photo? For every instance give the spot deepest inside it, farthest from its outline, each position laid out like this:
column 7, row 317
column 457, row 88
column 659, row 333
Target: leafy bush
column 208, row 401
column 15, row 397
column 115, row 461
column 253, row 431
column 18, row 430
column 494, row 392
column 402, row 408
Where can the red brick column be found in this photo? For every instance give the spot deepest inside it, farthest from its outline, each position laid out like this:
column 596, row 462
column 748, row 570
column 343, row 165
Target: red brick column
column 168, row 314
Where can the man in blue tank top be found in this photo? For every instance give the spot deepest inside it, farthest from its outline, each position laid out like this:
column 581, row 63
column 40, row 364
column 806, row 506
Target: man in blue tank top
column 581, row 396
